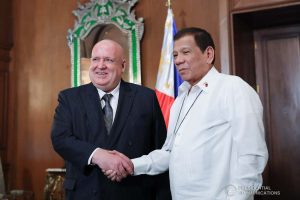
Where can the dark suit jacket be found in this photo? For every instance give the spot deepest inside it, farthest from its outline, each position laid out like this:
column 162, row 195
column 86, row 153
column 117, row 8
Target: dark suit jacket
column 78, row 129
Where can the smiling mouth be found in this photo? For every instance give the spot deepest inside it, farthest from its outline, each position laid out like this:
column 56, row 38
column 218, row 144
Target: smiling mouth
column 101, row 73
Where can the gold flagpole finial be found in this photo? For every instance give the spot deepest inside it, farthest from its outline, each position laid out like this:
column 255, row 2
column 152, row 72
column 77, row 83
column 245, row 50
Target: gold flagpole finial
column 168, row 4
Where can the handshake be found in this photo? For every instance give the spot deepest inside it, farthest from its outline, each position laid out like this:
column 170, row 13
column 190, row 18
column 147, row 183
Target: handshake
column 114, row 164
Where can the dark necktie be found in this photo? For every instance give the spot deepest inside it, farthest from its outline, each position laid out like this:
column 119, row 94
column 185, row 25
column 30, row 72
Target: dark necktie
column 108, row 112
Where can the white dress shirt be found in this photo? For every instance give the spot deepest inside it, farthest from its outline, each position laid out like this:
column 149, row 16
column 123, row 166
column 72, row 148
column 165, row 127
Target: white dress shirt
column 114, row 99
column 218, row 149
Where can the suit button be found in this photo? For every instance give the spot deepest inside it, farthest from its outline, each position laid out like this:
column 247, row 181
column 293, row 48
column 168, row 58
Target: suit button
column 95, row 192
column 129, row 143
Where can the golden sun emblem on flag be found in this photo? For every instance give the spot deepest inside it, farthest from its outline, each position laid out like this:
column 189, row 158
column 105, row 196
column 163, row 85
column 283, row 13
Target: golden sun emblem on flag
column 167, row 85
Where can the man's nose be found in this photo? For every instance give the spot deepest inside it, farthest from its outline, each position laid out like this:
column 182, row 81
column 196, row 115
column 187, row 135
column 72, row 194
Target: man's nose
column 178, row 60
column 101, row 64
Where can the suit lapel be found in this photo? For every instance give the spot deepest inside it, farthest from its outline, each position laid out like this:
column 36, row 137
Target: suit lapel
column 92, row 106
column 125, row 102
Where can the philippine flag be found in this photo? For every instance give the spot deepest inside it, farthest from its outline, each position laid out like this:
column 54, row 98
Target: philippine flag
column 168, row 79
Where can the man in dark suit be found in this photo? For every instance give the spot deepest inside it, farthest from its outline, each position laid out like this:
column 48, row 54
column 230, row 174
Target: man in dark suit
column 108, row 114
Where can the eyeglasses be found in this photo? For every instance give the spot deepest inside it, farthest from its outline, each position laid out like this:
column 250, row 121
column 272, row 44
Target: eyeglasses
column 106, row 60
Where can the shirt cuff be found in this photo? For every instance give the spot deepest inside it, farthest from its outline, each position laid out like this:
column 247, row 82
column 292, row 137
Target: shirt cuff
column 139, row 165
column 91, row 156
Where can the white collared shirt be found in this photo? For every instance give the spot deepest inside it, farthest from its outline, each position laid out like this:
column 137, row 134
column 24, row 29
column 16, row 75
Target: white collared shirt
column 113, row 101
column 219, row 150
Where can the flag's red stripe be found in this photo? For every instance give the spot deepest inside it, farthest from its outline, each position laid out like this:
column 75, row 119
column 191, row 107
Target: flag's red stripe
column 165, row 103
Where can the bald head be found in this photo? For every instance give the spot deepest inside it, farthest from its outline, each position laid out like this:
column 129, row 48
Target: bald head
column 109, row 44
column 107, row 65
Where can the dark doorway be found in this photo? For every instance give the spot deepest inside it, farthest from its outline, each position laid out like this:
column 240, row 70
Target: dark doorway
column 278, row 75
column 267, row 55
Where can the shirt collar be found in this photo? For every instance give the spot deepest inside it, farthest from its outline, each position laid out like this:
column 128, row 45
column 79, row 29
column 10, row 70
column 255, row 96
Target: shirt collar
column 204, row 84
column 114, row 92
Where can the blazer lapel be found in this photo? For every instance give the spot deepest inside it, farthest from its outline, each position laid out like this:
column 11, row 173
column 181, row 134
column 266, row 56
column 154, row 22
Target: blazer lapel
column 125, row 102
column 92, row 106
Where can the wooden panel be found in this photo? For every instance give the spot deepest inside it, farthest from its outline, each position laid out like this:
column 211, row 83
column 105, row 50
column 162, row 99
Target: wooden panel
column 278, row 73
column 243, row 25
column 243, row 51
column 4, row 58
column 3, row 111
column 5, row 46
column 236, row 5
column 40, row 69
column 280, row 56
column 5, row 25
column 4, row 118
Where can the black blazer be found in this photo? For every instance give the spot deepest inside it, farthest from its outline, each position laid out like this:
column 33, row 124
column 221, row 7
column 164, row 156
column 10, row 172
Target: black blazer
column 78, row 129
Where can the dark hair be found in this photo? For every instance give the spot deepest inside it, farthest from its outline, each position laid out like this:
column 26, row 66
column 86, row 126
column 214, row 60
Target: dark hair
column 202, row 38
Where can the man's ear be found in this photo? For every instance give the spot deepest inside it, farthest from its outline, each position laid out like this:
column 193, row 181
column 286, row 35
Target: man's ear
column 210, row 52
column 123, row 65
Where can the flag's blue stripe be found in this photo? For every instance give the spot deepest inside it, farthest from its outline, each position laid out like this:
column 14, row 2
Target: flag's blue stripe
column 177, row 79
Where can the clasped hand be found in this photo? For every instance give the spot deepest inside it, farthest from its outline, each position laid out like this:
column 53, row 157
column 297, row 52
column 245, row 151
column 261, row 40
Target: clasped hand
column 113, row 164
